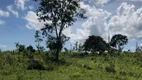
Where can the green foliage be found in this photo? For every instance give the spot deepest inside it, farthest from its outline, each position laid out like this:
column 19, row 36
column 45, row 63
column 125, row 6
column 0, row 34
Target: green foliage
column 39, row 40
column 61, row 14
column 118, row 41
column 30, row 49
column 35, row 65
column 20, row 48
column 95, row 43
column 121, row 67
column 139, row 49
column 110, row 69
column 78, row 47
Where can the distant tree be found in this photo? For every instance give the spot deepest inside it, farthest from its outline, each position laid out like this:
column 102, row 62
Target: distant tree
column 118, row 41
column 38, row 40
column 30, row 49
column 66, row 51
column 139, row 49
column 94, row 44
column 20, row 48
column 80, row 48
column 76, row 46
column 61, row 14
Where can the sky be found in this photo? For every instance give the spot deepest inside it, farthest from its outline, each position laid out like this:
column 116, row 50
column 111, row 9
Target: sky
column 18, row 22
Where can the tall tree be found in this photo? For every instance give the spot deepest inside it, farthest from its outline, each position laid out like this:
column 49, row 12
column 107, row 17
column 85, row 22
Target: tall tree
column 95, row 43
column 118, row 41
column 61, row 14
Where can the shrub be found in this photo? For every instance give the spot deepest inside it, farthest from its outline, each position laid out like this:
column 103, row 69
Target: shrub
column 50, row 67
column 123, row 73
column 87, row 67
column 34, row 64
column 110, row 69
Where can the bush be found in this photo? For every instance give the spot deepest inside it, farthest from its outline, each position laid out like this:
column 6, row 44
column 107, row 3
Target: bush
column 50, row 67
column 87, row 67
column 34, row 64
column 110, row 69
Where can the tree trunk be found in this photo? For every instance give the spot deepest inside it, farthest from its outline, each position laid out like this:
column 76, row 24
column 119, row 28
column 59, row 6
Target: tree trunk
column 59, row 48
column 57, row 55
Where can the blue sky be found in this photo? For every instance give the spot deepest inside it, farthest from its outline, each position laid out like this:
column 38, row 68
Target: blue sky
column 14, row 29
column 18, row 22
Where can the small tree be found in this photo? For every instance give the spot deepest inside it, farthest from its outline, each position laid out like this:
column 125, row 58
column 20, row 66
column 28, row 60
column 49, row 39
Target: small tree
column 118, row 41
column 20, row 48
column 38, row 40
column 139, row 49
column 61, row 14
column 95, row 43
column 80, row 48
column 30, row 49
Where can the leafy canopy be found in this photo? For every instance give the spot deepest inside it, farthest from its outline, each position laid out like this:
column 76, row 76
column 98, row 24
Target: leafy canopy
column 58, row 15
column 95, row 43
column 118, row 41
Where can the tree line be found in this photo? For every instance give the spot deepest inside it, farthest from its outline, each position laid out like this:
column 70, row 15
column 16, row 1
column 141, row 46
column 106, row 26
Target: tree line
column 98, row 44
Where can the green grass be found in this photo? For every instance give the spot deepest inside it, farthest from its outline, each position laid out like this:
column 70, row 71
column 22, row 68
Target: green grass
column 122, row 67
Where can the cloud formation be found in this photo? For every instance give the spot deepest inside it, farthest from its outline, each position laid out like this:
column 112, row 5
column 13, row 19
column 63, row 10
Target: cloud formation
column 4, row 13
column 31, row 7
column 99, row 2
column 127, row 21
column 33, row 22
column 21, row 4
column 137, row 0
column 96, row 24
column 10, row 8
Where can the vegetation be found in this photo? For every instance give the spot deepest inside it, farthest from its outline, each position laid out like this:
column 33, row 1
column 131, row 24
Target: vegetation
column 125, row 66
column 61, row 14
column 94, row 44
column 81, row 63
column 38, row 39
column 118, row 41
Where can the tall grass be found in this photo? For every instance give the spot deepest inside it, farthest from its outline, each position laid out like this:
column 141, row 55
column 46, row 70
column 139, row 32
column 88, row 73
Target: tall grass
column 72, row 66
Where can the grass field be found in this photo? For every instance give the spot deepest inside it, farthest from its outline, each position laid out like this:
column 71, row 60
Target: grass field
column 126, row 66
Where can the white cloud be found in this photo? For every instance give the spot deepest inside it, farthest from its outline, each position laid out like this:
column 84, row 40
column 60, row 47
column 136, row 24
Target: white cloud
column 96, row 24
column 2, row 22
column 31, row 7
column 33, row 22
column 21, row 4
column 10, row 8
column 4, row 13
column 127, row 21
column 99, row 1
column 136, row 0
